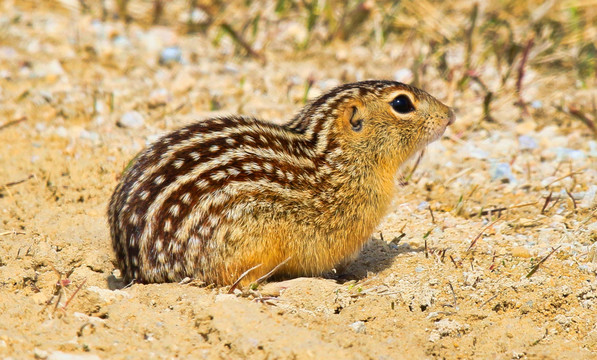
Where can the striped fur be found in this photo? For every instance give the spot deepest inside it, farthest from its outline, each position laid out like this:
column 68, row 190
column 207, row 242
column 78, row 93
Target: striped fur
column 220, row 196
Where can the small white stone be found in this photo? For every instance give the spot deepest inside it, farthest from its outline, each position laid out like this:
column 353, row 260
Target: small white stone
column 359, row 327
column 40, row 354
column 158, row 97
column 131, row 120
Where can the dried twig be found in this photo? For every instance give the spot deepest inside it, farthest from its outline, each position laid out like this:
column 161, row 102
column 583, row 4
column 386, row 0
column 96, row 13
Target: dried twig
column 488, row 300
column 432, row 217
column 479, row 236
column 18, row 181
column 11, row 123
column 453, row 294
column 233, row 287
column 572, row 198
column 269, row 274
column 73, row 295
column 242, row 42
column 499, row 210
column 572, row 173
column 412, row 171
column 547, row 200
column 577, row 113
column 536, row 267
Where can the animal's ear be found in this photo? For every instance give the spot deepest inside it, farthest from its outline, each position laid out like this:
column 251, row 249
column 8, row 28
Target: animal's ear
column 352, row 117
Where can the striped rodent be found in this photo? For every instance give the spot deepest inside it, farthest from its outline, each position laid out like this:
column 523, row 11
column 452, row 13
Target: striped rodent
column 220, row 196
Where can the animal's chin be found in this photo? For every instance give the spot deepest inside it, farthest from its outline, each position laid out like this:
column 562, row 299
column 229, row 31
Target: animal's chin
column 437, row 134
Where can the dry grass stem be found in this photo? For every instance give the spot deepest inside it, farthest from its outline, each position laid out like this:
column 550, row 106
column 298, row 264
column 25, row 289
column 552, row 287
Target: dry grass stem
column 480, row 234
column 536, row 267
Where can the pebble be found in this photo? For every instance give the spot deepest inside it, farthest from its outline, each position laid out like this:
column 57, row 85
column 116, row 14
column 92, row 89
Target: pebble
column 526, row 142
column 170, row 55
column 564, row 154
column 89, row 135
column 359, row 327
column 520, row 252
column 131, row 120
column 589, row 200
column 502, row 171
column 593, row 148
column 423, row 205
column 62, row 132
column 40, row 354
column 158, row 97
column 121, row 42
column 471, row 151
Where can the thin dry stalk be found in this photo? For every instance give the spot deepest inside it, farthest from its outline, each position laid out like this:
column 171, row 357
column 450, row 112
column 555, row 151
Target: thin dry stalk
column 547, row 200
column 407, row 179
column 73, row 295
column 18, row 181
column 234, row 286
column 454, row 298
column 432, row 217
column 536, row 267
column 499, row 210
column 488, row 300
column 572, row 173
column 269, row 274
column 11, row 123
column 571, row 198
column 480, row 234
column 242, row 42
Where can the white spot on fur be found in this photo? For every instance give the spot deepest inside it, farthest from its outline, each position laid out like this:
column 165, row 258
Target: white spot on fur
column 167, row 225
column 178, row 163
column 250, row 167
column 144, row 194
column 214, row 148
column 201, row 184
column 159, row 180
column 233, row 171
column 194, row 155
column 249, row 138
column 186, row 198
column 175, row 210
column 230, row 141
column 218, row 175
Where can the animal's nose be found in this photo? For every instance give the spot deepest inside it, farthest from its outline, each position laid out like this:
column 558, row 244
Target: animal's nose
column 451, row 117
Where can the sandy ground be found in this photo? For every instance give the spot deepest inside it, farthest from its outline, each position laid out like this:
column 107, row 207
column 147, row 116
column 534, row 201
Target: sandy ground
column 444, row 276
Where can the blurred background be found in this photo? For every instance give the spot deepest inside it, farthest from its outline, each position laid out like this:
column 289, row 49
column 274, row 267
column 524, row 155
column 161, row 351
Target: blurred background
column 493, row 61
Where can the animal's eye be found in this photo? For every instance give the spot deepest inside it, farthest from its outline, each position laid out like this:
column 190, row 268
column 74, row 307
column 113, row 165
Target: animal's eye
column 402, row 104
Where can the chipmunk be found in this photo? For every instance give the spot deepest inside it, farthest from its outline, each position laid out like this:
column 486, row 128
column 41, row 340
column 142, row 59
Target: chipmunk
column 221, row 196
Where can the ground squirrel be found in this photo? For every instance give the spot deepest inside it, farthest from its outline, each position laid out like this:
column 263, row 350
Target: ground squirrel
column 220, row 196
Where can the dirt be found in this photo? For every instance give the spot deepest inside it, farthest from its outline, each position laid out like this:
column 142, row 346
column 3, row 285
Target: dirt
column 447, row 274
